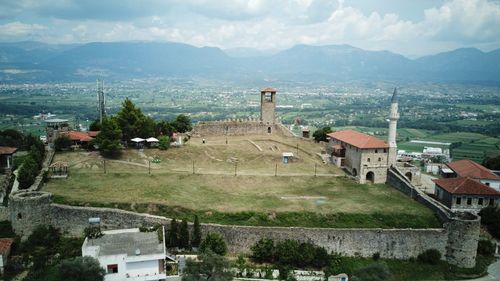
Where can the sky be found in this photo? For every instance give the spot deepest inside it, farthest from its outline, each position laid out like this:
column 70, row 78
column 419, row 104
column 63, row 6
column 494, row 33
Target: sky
column 409, row 27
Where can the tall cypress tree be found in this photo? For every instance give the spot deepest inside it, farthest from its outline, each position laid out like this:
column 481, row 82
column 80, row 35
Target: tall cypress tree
column 184, row 235
column 172, row 240
column 196, row 239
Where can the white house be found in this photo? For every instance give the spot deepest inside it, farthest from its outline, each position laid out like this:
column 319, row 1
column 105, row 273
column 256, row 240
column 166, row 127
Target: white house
column 129, row 254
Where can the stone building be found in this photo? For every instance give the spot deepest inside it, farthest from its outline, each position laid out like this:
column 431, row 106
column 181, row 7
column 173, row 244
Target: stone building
column 465, row 194
column 364, row 156
column 268, row 106
column 266, row 124
column 54, row 127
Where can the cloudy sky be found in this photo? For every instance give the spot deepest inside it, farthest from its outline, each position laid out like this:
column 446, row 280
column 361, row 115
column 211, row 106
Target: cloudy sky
column 409, row 27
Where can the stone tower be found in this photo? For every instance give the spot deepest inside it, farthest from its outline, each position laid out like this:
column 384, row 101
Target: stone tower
column 268, row 106
column 393, row 123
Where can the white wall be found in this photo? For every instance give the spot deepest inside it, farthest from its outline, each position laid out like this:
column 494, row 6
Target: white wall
column 114, row 259
column 142, row 268
column 492, row 183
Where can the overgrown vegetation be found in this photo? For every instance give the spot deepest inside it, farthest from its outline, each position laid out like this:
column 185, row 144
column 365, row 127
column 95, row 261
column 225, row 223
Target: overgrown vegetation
column 41, row 254
column 213, row 242
column 490, row 218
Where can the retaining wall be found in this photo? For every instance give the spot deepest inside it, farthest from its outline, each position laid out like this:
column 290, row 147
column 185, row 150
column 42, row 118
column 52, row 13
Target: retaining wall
column 28, row 209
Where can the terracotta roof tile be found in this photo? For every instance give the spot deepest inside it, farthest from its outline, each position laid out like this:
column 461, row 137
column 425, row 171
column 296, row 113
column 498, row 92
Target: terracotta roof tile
column 468, row 168
column 358, row 139
column 5, row 244
column 465, row 185
column 268, row 89
column 78, row 136
column 7, row 150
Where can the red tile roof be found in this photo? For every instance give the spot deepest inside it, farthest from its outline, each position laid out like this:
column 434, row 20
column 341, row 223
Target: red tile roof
column 357, row 139
column 465, row 185
column 93, row 133
column 5, row 244
column 78, row 136
column 7, row 150
column 468, row 168
column 268, row 89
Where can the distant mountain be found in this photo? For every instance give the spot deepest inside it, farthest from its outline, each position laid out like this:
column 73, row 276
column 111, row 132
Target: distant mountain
column 39, row 62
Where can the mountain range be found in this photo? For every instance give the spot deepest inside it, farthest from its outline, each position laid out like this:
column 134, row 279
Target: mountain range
column 30, row 61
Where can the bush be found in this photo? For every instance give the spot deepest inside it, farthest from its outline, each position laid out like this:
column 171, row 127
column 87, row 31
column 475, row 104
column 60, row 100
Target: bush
column 490, row 217
column 372, row 272
column 376, row 256
column 81, row 269
column 62, row 142
column 431, row 256
column 263, row 250
column 164, row 143
column 214, row 242
column 486, row 248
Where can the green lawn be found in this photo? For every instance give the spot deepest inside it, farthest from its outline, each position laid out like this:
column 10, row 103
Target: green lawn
column 250, row 200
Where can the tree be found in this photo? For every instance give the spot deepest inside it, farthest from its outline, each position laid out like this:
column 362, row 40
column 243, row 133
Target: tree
column 196, row 240
column 263, row 250
column 490, row 217
column 81, row 269
column 108, row 139
column 164, row 142
column 95, row 125
column 320, row 134
column 182, row 123
column 492, row 163
column 212, row 267
column 214, row 242
column 173, row 236
column 163, row 128
column 372, row 272
column 133, row 122
column 27, row 173
column 62, row 142
column 184, row 235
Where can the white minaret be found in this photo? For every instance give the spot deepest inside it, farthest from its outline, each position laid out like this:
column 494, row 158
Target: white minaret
column 393, row 123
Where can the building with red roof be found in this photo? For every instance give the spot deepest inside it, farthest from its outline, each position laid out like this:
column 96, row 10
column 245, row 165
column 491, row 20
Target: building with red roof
column 471, row 169
column 80, row 138
column 465, row 194
column 6, row 153
column 5, row 247
column 363, row 155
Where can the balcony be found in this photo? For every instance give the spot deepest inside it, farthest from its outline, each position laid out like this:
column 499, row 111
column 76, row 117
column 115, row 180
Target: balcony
column 146, row 277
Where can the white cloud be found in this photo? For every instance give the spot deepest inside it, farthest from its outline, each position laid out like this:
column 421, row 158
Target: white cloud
column 271, row 24
column 17, row 29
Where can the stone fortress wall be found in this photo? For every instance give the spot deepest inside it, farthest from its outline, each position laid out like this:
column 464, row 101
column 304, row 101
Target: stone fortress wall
column 456, row 240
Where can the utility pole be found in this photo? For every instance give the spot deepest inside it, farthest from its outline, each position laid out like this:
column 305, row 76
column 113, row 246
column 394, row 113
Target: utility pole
column 276, row 170
column 297, row 149
column 104, row 165
column 315, row 169
column 235, row 168
column 149, row 167
column 193, row 167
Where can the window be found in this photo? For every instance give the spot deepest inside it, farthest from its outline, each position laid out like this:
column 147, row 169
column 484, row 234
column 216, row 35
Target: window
column 385, row 150
column 469, row 201
column 379, row 159
column 376, row 151
column 459, row 201
column 480, row 201
column 492, row 201
column 112, row 268
column 368, row 159
column 487, row 183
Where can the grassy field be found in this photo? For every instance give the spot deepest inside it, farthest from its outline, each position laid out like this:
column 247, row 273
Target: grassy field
column 254, row 197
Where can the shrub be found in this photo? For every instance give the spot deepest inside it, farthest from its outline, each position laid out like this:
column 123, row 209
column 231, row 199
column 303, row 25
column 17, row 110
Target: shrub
column 92, row 232
column 486, row 248
column 372, row 272
column 81, row 269
column 164, row 143
column 62, row 142
column 214, row 242
column 376, row 256
column 263, row 250
column 431, row 256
